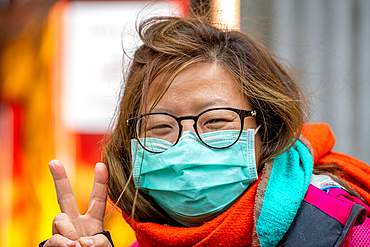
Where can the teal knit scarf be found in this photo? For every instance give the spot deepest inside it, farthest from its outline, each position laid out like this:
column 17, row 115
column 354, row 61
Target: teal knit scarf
column 280, row 192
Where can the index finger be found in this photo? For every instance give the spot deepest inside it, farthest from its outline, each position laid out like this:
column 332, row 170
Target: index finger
column 66, row 198
column 99, row 193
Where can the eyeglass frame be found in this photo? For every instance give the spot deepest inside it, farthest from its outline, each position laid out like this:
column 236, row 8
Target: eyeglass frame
column 242, row 115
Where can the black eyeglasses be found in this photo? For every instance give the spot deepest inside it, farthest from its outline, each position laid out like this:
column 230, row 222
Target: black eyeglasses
column 159, row 131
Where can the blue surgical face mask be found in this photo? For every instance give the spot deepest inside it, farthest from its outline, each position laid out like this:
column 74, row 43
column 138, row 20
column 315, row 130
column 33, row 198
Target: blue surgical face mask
column 192, row 182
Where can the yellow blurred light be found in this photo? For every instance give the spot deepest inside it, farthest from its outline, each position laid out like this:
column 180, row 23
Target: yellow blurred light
column 226, row 13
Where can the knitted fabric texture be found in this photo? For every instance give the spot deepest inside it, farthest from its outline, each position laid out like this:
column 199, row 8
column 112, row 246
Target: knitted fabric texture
column 290, row 177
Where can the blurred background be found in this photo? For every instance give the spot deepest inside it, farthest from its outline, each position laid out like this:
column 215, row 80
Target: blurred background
column 61, row 69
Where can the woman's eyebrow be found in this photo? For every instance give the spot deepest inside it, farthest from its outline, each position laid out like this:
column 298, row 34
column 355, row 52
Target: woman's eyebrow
column 217, row 102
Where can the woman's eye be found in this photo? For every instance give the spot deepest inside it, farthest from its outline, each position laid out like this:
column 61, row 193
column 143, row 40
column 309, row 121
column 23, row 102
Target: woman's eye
column 160, row 130
column 216, row 122
column 159, row 127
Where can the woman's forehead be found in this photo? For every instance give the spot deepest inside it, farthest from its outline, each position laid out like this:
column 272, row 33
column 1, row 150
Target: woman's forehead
column 197, row 86
column 200, row 75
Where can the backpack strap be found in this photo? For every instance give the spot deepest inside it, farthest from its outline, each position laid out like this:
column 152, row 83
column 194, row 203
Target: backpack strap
column 323, row 220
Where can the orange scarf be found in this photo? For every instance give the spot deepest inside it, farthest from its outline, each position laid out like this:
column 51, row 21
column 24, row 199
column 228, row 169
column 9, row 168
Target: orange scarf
column 225, row 230
column 236, row 226
column 356, row 173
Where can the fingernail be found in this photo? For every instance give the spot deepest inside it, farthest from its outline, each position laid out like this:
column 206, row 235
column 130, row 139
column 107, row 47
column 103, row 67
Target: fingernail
column 77, row 244
column 69, row 243
column 52, row 161
column 86, row 242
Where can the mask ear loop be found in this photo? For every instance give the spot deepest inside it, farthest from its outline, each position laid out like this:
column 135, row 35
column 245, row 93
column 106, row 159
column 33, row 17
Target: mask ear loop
column 138, row 182
column 256, row 130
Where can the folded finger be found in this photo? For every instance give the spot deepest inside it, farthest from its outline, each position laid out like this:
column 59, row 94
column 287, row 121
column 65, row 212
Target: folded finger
column 66, row 198
column 62, row 225
column 60, row 241
column 98, row 196
column 98, row 240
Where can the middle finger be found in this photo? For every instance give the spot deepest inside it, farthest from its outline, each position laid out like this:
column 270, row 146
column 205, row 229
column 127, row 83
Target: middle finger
column 66, row 198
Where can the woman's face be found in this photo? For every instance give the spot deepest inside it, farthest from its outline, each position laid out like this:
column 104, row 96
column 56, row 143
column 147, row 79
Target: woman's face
column 197, row 88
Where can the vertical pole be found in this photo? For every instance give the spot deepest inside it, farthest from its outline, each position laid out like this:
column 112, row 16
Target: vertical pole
column 226, row 13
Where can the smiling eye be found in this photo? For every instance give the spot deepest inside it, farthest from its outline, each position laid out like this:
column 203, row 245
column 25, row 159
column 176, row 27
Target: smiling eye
column 161, row 126
column 218, row 119
column 157, row 126
column 216, row 123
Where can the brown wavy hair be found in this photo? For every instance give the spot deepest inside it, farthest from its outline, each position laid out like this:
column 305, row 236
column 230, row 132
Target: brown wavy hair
column 171, row 44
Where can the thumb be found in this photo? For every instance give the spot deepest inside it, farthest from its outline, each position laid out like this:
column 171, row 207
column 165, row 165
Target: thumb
column 99, row 240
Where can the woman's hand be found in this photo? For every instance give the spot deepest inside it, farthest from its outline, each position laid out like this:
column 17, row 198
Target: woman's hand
column 70, row 228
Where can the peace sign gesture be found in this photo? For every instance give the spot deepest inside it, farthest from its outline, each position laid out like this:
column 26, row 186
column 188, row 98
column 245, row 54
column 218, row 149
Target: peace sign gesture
column 70, row 228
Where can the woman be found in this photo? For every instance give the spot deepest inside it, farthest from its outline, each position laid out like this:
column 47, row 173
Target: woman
column 210, row 149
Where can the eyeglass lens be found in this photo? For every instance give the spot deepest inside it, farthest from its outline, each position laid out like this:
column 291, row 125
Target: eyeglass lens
column 158, row 132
